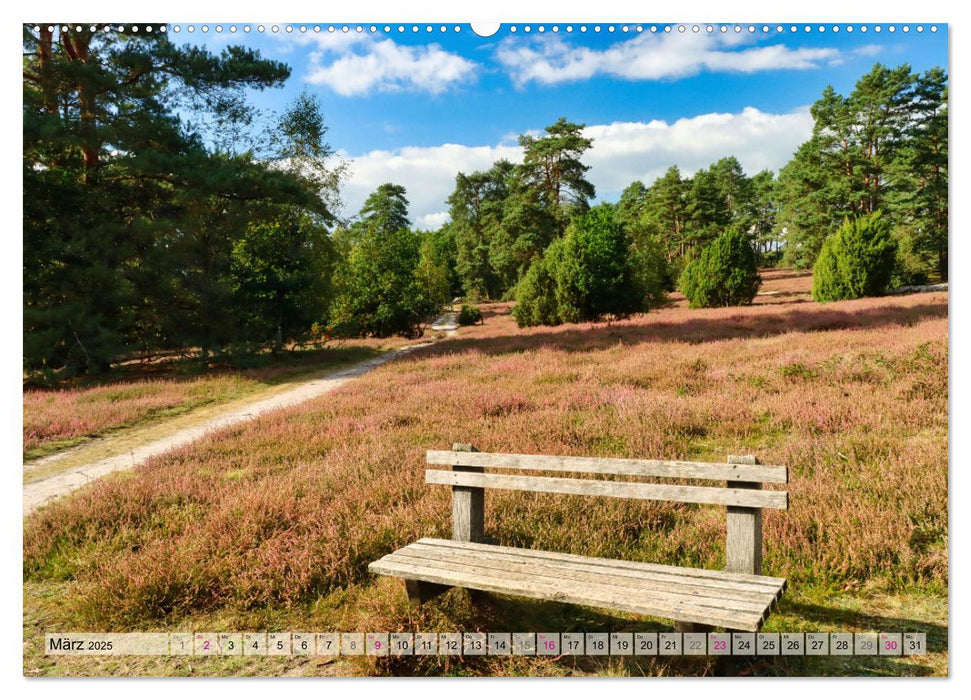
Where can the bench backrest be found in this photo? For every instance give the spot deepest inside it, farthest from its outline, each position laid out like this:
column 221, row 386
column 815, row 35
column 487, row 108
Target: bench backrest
column 741, row 494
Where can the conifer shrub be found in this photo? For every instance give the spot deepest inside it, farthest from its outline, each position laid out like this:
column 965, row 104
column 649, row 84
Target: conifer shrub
column 589, row 274
column 857, row 261
column 469, row 315
column 536, row 303
column 726, row 273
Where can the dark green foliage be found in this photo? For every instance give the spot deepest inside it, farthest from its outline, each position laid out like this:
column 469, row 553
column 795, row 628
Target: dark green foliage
column 763, row 207
column 667, row 211
column 378, row 292
column 922, row 170
column 392, row 278
column 442, row 247
column 683, row 215
column 910, row 266
column 596, row 275
column 476, row 211
column 857, row 261
column 589, row 274
column 632, row 204
column 526, row 229
column 651, row 268
column 536, row 303
column 725, row 274
column 552, row 166
column 469, row 315
column 281, row 274
column 884, row 147
column 138, row 234
column 386, row 208
column 504, row 218
column 432, row 275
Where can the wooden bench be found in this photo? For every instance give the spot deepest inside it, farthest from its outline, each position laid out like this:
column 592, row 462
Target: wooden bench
column 738, row 598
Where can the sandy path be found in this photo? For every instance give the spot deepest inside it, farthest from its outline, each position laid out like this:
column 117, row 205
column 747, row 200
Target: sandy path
column 37, row 493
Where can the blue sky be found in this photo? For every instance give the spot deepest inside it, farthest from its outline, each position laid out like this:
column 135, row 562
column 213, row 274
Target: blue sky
column 416, row 107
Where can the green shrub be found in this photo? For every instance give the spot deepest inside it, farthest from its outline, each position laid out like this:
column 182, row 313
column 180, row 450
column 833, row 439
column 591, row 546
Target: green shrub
column 589, row 274
column 910, row 267
column 536, row 291
column 725, row 274
column 379, row 293
column 857, row 261
column 653, row 272
column 432, row 277
column 469, row 315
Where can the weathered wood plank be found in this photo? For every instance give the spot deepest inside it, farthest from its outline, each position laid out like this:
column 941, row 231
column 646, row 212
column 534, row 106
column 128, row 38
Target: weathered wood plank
column 567, row 569
column 652, row 590
column 716, row 471
column 743, row 539
column 756, row 584
column 613, row 489
column 646, row 599
column 468, row 504
column 618, row 563
column 522, row 585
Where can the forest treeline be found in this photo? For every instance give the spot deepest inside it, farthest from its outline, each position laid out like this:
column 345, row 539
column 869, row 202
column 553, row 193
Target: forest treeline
column 164, row 213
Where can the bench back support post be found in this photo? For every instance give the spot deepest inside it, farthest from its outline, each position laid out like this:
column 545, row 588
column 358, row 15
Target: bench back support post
column 468, row 504
column 743, row 545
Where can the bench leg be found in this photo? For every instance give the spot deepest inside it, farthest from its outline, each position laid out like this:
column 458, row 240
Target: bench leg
column 422, row 591
column 477, row 597
column 692, row 627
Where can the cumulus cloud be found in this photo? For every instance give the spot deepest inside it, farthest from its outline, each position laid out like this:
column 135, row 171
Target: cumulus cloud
column 553, row 60
column 427, row 173
column 626, row 151
column 432, row 221
column 356, row 64
column 622, row 152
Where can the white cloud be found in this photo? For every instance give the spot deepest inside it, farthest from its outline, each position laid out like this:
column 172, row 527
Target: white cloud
column 648, row 57
column 622, row 152
column 427, row 173
column 626, row 151
column 868, row 50
column 354, row 64
column 432, row 221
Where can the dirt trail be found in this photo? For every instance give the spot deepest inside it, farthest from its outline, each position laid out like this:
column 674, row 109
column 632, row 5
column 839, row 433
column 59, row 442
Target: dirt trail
column 37, row 493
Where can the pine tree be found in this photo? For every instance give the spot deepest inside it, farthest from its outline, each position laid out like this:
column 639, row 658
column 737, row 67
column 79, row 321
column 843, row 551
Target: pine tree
column 476, row 208
column 923, row 171
column 552, row 165
column 386, row 209
column 763, row 211
column 130, row 214
column 668, row 210
column 708, row 213
column 852, row 164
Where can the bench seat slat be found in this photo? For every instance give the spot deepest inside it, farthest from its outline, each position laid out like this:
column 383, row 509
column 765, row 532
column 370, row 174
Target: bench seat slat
column 636, row 589
column 771, row 581
column 462, row 566
column 663, row 581
column 676, row 469
column 529, row 589
column 616, row 489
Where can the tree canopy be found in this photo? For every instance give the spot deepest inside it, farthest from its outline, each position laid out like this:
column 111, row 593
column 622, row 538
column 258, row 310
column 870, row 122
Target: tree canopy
column 136, row 229
column 164, row 213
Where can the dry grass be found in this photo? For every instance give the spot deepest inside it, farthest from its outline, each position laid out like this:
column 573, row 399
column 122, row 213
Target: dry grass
column 278, row 518
column 58, row 418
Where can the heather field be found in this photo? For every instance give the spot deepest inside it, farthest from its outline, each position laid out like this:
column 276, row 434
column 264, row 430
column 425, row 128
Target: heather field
column 140, row 393
column 271, row 525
